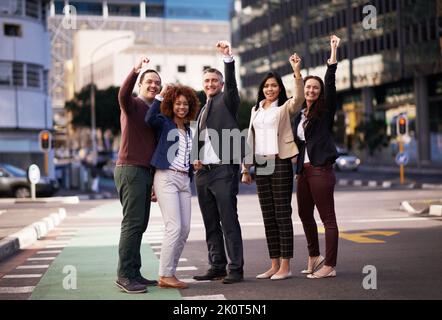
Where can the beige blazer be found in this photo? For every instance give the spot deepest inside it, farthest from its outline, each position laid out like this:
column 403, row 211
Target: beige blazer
column 286, row 143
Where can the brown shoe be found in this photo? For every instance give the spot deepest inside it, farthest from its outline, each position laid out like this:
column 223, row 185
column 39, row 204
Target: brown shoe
column 172, row 282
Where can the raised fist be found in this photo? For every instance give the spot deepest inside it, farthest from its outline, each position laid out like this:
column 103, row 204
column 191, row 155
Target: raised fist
column 139, row 64
column 224, row 47
column 334, row 41
column 295, row 62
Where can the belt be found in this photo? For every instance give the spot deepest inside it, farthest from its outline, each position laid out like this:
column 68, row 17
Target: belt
column 267, row 157
column 211, row 166
column 178, row 171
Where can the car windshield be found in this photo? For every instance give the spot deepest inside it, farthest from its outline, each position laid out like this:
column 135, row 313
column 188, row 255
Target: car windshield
column 14, row 170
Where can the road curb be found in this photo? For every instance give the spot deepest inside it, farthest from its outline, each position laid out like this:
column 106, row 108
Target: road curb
column 28, row 235
column 386, row 184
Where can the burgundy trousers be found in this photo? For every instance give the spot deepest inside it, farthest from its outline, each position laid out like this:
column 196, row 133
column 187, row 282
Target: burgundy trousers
column 315, row 187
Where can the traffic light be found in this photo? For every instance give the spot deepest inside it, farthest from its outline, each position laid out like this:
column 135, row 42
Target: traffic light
column 45, row 140
column 402, row 125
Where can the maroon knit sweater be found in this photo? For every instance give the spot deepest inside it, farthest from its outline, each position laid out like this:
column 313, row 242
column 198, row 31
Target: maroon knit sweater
column 137, row 138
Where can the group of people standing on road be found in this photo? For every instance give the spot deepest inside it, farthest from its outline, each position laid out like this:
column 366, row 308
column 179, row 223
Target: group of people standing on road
column 160, row 155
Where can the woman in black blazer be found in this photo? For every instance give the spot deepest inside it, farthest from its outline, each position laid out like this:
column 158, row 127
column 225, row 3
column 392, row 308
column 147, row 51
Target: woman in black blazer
column 315, row 177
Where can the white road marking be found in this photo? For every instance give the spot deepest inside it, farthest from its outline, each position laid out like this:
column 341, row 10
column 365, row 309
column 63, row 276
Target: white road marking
column 15, row 290
column 182, row 260
column 37, row 266
column 186, row 268
column 42, row 258
column 209, row 297
column 191, row 280
column 55, row 246
column 22, row 276
column 48, row 251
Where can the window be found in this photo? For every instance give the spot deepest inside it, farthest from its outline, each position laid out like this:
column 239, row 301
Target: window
column 181, row 69
column 59, row 5
column 87, row 8
column 11, row 7
column 33, row 78
column 128, row 10
column 5, row 73
column 12, row 30
column 32, row 8
column 154, row 10
column 17, row 74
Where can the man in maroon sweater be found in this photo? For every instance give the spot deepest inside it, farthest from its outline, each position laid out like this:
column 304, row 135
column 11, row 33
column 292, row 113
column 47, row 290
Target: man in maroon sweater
column 133, row 174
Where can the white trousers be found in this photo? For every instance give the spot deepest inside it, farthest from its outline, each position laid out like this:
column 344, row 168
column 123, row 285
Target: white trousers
column 173, row 193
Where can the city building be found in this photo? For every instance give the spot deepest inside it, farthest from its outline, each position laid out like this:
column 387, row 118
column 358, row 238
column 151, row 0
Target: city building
column 390, row 63
column 107, row 37
column 25, row 105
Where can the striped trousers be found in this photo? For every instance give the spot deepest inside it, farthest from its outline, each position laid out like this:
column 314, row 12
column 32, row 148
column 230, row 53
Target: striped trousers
column 275, row 197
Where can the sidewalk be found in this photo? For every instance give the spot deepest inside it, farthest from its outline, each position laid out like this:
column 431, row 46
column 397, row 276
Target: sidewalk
column 23, row 221
column 410, row 169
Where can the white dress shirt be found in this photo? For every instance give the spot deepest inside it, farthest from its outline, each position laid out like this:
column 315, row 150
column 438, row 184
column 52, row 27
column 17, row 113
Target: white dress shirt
column 301, row 135
column 209, row 155
column 265, row 125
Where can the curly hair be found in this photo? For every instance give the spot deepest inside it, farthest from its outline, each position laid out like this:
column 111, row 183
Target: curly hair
column 172, row 93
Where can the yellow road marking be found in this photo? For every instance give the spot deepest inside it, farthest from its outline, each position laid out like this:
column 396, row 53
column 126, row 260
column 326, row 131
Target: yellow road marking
column 363, row 236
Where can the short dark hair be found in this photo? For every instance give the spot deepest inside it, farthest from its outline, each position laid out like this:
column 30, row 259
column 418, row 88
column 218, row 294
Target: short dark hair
column 172, row 93
column 213, row 70
column 282, row 97
column 149, row 71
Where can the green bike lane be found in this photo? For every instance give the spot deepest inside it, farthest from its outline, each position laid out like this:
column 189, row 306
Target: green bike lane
column 86, row 268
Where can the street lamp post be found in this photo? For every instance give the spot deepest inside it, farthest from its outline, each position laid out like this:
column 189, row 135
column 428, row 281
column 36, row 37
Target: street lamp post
column 92, row 97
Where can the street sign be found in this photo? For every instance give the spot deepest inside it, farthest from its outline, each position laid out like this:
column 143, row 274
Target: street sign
column 402, row 158
column 33, row 173
column 34, row 178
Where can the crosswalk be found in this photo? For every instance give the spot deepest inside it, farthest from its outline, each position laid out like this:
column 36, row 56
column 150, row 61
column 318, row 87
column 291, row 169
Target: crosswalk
column 20, row 282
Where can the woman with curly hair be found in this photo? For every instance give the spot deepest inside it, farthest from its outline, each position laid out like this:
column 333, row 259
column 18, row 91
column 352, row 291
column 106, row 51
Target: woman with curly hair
column 169, row 116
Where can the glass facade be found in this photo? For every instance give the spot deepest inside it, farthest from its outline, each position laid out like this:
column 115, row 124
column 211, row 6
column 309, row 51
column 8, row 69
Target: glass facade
column 199, row 10
column 390, row 52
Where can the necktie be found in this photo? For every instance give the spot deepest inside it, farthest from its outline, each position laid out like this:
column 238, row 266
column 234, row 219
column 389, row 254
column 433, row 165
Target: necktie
column 203, row 122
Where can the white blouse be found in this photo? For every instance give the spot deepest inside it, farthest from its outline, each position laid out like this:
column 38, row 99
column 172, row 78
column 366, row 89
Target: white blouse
column 265, row 125
column 301, row 135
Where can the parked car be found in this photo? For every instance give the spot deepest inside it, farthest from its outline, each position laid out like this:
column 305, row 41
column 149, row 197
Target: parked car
column 346, row 161
column 14, row 182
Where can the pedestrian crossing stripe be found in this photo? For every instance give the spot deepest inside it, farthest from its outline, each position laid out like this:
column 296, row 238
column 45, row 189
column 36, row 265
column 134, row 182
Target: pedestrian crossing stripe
column 363, row 236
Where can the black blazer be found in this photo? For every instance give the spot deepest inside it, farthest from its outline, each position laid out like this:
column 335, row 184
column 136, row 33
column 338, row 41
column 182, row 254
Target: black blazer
column 321, row 148
column 223, row 114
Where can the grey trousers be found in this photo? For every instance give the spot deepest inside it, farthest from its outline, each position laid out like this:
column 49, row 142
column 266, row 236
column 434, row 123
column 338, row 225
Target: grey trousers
column 173, row 193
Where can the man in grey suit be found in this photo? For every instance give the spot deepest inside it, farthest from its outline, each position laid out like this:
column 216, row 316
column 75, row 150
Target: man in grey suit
column 219, row 156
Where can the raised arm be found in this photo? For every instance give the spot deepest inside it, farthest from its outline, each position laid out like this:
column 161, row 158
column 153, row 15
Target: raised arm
column 294, row 104
column 231, row 95
column 330, row 78
column 153, row 116
column 125, row 98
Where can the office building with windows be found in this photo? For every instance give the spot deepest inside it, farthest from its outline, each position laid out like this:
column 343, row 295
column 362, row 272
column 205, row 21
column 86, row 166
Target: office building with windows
column 178, row 36
column 390, row 63
column 25, row 105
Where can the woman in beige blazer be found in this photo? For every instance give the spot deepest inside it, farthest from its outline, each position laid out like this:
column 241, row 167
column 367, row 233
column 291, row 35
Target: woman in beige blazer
column 271, row 140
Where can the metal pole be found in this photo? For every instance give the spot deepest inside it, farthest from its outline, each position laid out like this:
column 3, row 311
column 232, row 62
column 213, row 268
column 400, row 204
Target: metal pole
column 401, row 167
column 93, row 118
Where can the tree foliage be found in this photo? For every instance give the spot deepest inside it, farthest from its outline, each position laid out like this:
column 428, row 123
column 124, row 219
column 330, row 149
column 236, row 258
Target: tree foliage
column 372, row 135
column 107, row 110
